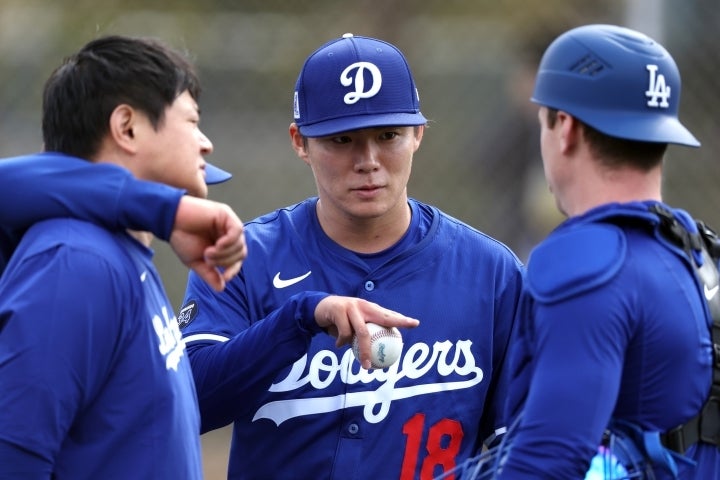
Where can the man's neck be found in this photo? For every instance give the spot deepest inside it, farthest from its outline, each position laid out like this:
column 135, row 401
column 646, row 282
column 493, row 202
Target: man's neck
column 367, row 235
column 145, row 238
column 615, row 186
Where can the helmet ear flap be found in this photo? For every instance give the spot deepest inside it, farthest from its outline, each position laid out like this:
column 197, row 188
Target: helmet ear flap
column 617, row 80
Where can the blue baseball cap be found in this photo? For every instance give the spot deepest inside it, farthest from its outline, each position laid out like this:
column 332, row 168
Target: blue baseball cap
column 617, row 80
column 215, row 175
column 355, row 82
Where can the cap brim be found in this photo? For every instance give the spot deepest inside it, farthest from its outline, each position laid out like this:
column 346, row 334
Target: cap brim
column 338, row 125
column 215, row 175
column 633, row 126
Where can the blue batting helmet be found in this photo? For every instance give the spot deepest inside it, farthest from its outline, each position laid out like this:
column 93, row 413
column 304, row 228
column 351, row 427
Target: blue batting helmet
column 616, row 80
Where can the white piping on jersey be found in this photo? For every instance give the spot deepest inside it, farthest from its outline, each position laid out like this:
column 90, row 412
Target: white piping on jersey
column 205, row 336
column 324, row 367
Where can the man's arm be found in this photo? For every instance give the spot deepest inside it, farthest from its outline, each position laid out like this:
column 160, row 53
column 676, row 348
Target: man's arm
column 49, row 185
column 209, row 238
column 205, row 235
column 239, row 368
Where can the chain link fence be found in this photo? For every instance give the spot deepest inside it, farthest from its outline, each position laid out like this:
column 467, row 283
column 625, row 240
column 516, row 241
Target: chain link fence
column 473, row 61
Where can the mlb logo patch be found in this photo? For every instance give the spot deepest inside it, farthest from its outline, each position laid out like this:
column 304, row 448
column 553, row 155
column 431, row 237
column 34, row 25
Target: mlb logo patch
column 187, row 314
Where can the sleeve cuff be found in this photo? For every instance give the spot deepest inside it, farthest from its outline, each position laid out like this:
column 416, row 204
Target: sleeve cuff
column 149, row 206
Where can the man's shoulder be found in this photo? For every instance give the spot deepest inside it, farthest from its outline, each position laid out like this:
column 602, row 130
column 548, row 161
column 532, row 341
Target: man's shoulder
column 73, row 253
column 575, row 259
column 468, row 236
column 70, row 230
column 72, row 236
column 276, row 218
column 279, row 225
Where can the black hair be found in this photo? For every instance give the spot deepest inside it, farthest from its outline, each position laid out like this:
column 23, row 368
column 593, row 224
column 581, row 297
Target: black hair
column 614, row 151
column 82, row 93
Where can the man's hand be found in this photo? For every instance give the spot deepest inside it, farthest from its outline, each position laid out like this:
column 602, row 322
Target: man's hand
column 209, row 238
column 344, row 317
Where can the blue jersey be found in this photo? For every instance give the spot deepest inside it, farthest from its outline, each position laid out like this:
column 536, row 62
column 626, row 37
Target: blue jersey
column 95, row 380
column 616, row 327
column 49, row 185
column 303, row 408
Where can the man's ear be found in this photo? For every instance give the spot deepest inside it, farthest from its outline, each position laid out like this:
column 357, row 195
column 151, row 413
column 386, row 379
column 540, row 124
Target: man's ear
column 298, row 142
column 570, row 131
column 123, row 121
column 419, row 131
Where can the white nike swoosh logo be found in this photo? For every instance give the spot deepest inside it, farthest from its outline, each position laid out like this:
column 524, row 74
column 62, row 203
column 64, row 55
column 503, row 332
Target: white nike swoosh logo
column 280, row 283
column 710, row 292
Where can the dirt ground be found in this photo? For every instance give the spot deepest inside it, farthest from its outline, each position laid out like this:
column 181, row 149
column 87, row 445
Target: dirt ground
column 216, row 445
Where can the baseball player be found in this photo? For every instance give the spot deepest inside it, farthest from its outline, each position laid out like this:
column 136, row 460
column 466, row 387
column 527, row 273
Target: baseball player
column 90, row 345
column 94, row 376
column 301, row 406
column 617, row 342
column 207, row 236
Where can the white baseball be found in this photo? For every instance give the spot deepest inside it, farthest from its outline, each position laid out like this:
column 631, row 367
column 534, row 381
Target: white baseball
column 385, row 345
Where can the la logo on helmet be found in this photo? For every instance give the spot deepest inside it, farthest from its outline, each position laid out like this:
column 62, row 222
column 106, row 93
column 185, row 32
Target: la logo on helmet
column 657, row 89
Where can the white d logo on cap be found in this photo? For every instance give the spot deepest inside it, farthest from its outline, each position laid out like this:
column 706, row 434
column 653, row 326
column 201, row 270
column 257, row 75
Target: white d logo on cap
column 359, row 81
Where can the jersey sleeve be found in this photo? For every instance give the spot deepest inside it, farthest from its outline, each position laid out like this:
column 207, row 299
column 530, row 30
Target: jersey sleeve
column 49, row 185
column 582, row 334
column 519, row 362
column 507, row 314
column 57, row 339
column 235, row 354
column 16, row 462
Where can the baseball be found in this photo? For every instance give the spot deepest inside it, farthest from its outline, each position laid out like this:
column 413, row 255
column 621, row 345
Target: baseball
column 385, row 345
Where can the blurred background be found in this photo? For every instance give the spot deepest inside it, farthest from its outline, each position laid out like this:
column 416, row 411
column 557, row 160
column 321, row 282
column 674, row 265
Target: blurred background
column 473, row 62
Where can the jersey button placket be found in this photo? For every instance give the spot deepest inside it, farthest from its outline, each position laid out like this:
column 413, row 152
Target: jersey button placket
column 369, row 286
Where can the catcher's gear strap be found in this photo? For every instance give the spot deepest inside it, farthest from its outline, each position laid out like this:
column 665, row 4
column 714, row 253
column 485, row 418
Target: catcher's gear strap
column 560, row 267
column 706, row 425
column 634, row 447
